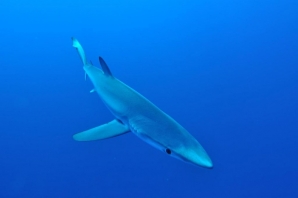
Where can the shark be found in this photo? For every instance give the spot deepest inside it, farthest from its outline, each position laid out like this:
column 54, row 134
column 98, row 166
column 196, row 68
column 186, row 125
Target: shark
column 135, row 113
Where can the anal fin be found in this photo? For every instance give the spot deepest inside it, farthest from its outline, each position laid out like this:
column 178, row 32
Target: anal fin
column 108, row 130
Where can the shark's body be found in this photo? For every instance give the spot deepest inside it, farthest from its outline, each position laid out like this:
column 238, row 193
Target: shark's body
column 137, row 114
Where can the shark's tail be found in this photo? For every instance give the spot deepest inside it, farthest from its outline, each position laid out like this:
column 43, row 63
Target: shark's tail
column 78, row 46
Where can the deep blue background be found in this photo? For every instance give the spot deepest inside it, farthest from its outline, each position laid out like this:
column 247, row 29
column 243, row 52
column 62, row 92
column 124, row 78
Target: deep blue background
column 226, row 70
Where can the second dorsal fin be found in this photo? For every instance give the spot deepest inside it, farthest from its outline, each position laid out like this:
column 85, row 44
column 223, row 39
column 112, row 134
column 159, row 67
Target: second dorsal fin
column 104, row 67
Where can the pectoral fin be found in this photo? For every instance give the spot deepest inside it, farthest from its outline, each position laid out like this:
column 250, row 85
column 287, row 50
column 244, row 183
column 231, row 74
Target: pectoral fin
column 108, row 130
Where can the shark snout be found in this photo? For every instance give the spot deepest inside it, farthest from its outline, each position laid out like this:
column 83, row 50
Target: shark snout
column 201, row 159
column 197, row 156
column 207, row 163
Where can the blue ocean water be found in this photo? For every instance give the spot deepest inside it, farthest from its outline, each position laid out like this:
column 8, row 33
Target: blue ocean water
column 226, row 70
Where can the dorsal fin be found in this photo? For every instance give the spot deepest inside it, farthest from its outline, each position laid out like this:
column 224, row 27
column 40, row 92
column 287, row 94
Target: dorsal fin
column 104, row 67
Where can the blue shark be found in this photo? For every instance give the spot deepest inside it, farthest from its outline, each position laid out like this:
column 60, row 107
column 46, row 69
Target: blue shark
column 135, row 113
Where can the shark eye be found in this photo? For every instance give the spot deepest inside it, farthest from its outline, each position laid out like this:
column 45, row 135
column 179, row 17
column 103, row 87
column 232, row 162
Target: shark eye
column 168, row 151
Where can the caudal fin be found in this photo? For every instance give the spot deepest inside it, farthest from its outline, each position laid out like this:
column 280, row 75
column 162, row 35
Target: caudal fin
column 78, row 46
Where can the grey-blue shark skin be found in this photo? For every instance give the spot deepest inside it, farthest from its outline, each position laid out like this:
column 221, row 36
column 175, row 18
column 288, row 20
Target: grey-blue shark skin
column 137, row 114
